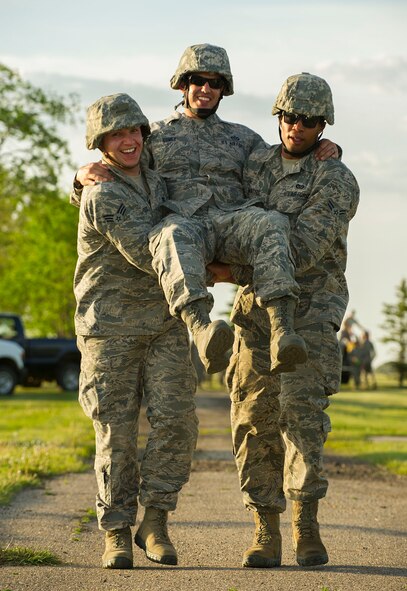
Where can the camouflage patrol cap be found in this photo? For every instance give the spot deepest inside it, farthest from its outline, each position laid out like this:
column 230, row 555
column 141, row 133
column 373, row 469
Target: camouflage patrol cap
column 305, row 94
column 204, row 58
column 110, row 113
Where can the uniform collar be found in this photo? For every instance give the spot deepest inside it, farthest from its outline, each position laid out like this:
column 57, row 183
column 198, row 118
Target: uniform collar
column 211, row 120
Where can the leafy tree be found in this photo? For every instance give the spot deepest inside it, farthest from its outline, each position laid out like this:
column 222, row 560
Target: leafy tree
column 395, row 325
column 39, row 282
column 32, row 149
column 31, row 146
column 37, row 224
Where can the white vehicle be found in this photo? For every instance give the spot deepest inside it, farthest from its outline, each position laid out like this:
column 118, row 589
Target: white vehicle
column 11, row 366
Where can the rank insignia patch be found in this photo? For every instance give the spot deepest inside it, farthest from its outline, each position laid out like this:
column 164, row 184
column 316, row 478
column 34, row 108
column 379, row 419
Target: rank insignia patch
column 116, row 217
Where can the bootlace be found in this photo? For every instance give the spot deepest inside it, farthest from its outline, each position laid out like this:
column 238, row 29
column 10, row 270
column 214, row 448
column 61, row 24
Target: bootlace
column 195, row 318
column 306, row 530
column 263, row 535
column 162, row 531
column 306, row 523
column 119, row 540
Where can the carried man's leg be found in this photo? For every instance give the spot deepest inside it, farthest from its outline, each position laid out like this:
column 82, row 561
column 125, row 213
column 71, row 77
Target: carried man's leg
column 181, row 248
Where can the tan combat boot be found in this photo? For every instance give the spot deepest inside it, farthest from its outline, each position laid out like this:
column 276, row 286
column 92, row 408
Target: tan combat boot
column 212, row 339
column 287, row 349
column 306, row 539
column 265, row 551
column 152, row 537
column 118, row 549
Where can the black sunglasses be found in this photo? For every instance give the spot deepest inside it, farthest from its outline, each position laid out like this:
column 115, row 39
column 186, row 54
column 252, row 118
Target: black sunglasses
column 201, row 81
column 309, row 122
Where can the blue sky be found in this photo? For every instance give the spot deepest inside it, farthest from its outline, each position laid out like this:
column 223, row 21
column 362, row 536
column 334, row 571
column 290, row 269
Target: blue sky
column 96, row 47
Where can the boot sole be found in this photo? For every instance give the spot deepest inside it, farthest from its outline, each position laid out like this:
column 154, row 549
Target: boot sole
column 277, row 369
column 220, row 342
column 260, row 562
column 166, row 559
column 121, row 562
column 288, row 358
column 313, row 561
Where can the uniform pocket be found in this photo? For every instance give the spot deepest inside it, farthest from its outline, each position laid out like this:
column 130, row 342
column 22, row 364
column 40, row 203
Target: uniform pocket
column 103, row 471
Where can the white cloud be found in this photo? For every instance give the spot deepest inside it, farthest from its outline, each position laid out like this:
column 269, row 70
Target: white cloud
column 144, row 69
column 385, row 74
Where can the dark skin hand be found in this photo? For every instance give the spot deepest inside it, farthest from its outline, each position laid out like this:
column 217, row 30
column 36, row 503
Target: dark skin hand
column 221, row 272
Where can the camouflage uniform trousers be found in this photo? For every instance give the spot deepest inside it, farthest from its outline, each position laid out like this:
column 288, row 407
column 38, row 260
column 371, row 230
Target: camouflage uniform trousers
column 182, row 247
column 116, row 372
column 279, row 424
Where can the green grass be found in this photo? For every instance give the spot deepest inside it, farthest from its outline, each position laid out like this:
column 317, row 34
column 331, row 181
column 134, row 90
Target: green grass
column 19, row 556
column 358, row 417
column 42, row 433
column 82, row 524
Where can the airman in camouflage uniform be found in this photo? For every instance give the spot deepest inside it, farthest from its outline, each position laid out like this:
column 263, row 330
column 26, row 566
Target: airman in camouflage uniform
column 131, row 346
column 279, row 423
column 201, row 159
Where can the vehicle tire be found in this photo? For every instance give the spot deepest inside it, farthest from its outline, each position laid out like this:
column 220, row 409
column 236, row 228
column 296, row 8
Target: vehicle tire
column 68, row 376
column 8, row 379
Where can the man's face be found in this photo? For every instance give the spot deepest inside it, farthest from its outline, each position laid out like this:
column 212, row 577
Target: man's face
column 297, row 138
column 123, row 147
column 200, row 94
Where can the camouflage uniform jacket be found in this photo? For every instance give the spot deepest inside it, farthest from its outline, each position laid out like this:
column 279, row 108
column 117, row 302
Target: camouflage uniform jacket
column 320, row 199
column 116, row 289
column 201, row 159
